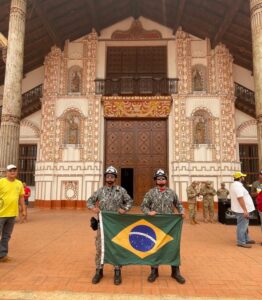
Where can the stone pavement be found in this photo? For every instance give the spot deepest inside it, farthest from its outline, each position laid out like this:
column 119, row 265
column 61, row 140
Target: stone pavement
column 53, row 258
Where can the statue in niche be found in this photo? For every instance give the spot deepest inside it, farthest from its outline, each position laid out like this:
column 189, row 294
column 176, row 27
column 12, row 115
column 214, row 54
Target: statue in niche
column 72, row 129
column 75, row 82
column 200, row 132
column 197, row 81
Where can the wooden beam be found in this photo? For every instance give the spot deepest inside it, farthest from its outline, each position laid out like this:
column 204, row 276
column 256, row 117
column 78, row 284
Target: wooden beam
column 92, row 13
column 232, row 11
column 135, row 9
column 179, row 14
column 49, row 27
column 237, row 39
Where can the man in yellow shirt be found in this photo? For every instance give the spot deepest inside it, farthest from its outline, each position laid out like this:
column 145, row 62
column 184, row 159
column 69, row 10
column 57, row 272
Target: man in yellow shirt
column 11, row 195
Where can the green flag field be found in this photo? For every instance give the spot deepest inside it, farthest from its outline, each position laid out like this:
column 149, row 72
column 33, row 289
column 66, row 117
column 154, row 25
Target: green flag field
column 140, row 239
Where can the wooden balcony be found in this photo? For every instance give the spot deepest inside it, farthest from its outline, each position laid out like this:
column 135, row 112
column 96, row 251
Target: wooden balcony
column 31, row 102
column 130, row 86
column 245, row 100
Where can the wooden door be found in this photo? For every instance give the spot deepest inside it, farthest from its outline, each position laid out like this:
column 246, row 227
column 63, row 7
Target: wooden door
column 140, row 145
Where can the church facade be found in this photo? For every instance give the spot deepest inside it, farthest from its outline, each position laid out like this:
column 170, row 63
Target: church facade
column 139, row 98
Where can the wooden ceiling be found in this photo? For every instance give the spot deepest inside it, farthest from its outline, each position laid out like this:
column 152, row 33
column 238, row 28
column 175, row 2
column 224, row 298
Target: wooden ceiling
column 52, row 22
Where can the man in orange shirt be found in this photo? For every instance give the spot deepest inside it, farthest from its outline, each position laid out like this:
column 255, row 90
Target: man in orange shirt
column 11, row 194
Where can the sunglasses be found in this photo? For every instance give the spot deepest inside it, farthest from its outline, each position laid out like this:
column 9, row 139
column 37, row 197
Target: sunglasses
column 161, row 178
column 110, row 176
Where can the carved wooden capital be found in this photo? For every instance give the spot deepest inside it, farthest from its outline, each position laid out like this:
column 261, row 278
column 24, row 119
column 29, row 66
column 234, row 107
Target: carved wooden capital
column 256, row 15
column 6, row 118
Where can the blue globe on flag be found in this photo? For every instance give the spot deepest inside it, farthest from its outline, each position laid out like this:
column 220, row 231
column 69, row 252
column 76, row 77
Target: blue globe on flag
column 142, row 238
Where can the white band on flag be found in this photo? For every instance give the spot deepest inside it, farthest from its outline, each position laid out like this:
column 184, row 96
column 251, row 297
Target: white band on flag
column 102, row 238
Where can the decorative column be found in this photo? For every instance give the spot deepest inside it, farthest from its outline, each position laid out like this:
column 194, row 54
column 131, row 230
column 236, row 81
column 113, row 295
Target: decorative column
column 12, row 98
column 256, row 26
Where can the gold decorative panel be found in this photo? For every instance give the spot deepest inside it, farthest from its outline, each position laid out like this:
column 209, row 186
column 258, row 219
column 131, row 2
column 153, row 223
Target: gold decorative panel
column 142, row 107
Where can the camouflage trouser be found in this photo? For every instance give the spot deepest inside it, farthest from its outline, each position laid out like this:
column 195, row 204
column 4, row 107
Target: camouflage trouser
column 208, row 208
column 192, row 209
column 98, row 251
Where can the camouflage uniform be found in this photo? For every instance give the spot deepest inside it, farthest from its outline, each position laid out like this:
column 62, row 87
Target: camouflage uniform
column 208, row 193
column 161, row 202
column 222, row 194
column 192, row 194
column 108, row 199
column 256, row 188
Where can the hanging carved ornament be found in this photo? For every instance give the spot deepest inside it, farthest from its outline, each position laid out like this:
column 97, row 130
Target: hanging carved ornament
column 136, row 32
column 142, row 107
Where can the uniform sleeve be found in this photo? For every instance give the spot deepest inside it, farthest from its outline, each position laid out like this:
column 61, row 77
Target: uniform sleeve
column 191, row 193
column 203, row 192
column 127, row 200
column 178, row 204
column 214, row 192
column 91, row 202
column 146, row 204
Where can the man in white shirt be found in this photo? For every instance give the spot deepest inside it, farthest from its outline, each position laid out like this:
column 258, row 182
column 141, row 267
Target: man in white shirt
column 241, row 204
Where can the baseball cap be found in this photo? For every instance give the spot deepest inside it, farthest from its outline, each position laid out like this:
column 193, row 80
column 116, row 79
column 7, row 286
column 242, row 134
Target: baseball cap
column 237, row 175
column 10, row 167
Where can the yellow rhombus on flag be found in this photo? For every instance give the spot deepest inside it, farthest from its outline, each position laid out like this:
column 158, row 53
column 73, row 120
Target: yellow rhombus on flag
column 123, row 238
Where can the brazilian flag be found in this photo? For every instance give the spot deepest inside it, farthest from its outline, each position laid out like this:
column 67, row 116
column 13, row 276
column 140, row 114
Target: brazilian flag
column 140, row 239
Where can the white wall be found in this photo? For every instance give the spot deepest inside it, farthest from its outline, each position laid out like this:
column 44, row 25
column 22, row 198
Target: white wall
column 30, row 80
column 243, row 77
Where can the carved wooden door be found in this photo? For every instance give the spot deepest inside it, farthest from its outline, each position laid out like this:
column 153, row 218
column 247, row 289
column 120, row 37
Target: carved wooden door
column 140, row 145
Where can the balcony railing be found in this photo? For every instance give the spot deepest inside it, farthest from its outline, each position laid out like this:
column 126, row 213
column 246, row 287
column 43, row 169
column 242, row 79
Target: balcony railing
column 31, row 101
column 245, row 100
column 130, row 86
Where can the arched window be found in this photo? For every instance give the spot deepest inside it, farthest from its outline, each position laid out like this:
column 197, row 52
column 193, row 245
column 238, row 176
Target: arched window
column 199, row 78
column 72, row 128
column 75, row 79
column 201, row 127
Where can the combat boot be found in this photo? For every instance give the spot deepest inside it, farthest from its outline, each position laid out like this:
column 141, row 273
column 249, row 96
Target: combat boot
column 153, row 275
column 176, row 275
column 195, row 221
column 117, row 277
column 192, row 222
column 98, row 276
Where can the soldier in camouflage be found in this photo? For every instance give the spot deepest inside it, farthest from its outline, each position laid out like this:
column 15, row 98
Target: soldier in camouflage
column 162, row 200
column 110, row 197
column 222, row 193
column 192, row 194
column 208, row 193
